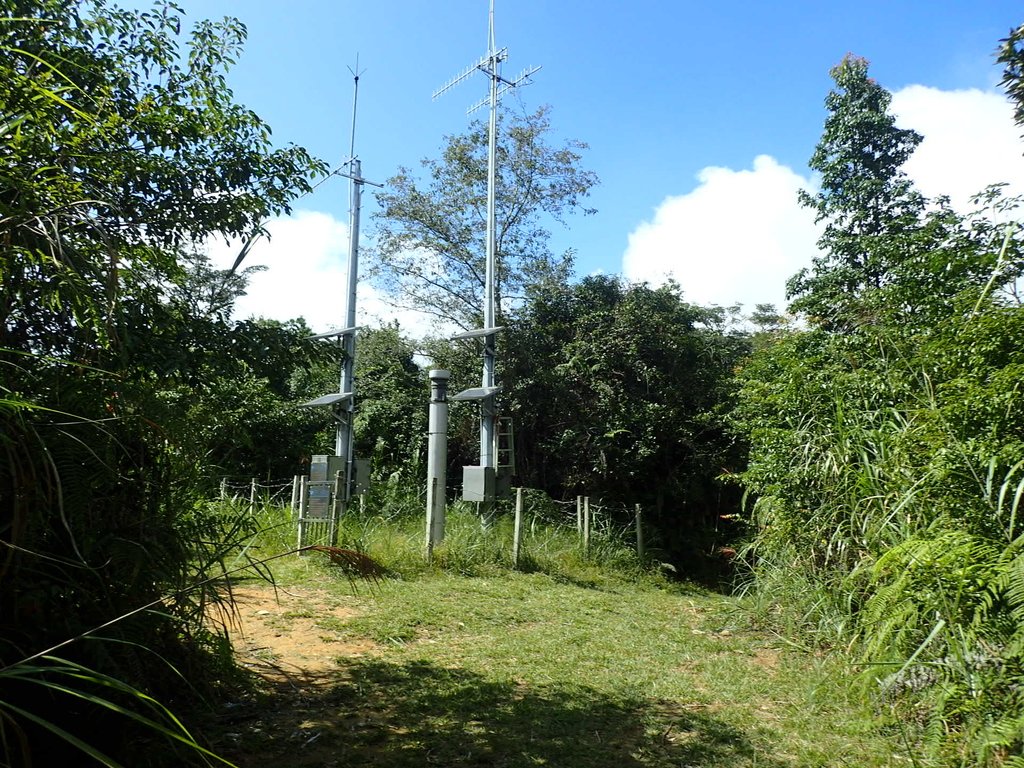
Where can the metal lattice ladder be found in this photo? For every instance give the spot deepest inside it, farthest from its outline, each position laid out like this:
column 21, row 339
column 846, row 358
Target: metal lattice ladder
column 505, row 440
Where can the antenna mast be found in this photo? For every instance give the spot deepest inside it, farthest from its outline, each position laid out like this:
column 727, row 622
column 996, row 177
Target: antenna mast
column 347, row 338
column 342, row 404
column 490, row 65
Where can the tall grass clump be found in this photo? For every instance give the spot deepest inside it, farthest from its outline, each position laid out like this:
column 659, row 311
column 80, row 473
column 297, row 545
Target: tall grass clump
column 886, row 481
column 109, row 557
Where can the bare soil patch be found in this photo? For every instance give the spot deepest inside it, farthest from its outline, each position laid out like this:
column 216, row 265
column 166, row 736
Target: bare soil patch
column 280, row 633
column 298, row 713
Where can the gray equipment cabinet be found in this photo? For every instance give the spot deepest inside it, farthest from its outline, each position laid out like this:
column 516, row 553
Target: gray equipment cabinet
column 478, row 483
column 324, row 490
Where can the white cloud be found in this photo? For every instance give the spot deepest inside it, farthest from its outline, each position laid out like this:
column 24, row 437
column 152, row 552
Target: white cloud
column 970, row 141
column 737, row 237
column 306, row 276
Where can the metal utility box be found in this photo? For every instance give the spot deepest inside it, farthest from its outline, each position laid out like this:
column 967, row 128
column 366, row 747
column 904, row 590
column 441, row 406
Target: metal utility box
column 323, row 470
column 478, row 483
column 361, row 481
column 503, row 482
column 318, row 507
column 322, row 473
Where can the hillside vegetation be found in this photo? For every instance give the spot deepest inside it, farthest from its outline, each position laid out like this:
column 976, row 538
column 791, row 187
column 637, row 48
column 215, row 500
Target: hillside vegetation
column 855, row 464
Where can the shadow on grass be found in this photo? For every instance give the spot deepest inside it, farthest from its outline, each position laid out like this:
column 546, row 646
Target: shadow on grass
column 391, row 715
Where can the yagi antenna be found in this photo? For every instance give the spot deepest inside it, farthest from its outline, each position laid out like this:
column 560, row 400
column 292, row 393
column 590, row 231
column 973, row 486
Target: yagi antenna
column 489, row 65
column 482, row 64
column 522, row 79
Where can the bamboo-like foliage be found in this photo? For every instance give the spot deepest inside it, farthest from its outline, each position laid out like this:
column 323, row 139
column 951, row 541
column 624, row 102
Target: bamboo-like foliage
column 888, row 482
column 116, row 152
column 69, row 682
column 887, row 440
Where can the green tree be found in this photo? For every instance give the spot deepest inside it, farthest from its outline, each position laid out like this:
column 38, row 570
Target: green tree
column 616, row 390
column 230, row 390
column 866, row 201
column 392, row 394
column 1011, row 56
column 120, row 148
column 885, row 442
column 430, row 232
column 115, row 152
column 202, row 291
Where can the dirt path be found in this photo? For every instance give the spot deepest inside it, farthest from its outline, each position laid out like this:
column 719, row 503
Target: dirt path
column 278, row 635
column 521, row 671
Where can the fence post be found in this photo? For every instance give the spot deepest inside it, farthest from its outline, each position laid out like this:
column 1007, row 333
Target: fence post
column 579, row 515
column 252, row 496
column 223, row 488
column 294, row 506
column 639, row 533
column 517, row 531
column 586, row 525
column 336, row 502
column 303, row 506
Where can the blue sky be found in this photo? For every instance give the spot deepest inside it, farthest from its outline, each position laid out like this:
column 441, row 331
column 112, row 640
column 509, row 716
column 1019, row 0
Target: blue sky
column 700, row 118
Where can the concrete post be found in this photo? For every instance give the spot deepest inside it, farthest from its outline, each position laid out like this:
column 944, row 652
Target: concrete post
column 437, row 457
column 641, row 551
column 586, row 525
column 294, row 506
column 303, row 508
column 517, row 530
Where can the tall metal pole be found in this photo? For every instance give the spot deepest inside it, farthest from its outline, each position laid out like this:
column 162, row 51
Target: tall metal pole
column 343, row 441
column 487, row 409
column 342, row 404
column 490, row 65
column 344, row 437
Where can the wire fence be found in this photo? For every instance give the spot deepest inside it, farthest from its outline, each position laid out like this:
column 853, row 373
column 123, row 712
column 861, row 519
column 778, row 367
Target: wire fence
column 617, row 522
column 266, row 493
column 591, row 519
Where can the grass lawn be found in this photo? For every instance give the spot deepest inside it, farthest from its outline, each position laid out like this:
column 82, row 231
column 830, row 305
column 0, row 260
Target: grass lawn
column 522, row 669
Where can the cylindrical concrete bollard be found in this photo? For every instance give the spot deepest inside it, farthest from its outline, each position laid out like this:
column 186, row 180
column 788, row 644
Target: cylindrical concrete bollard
column 437, row 457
